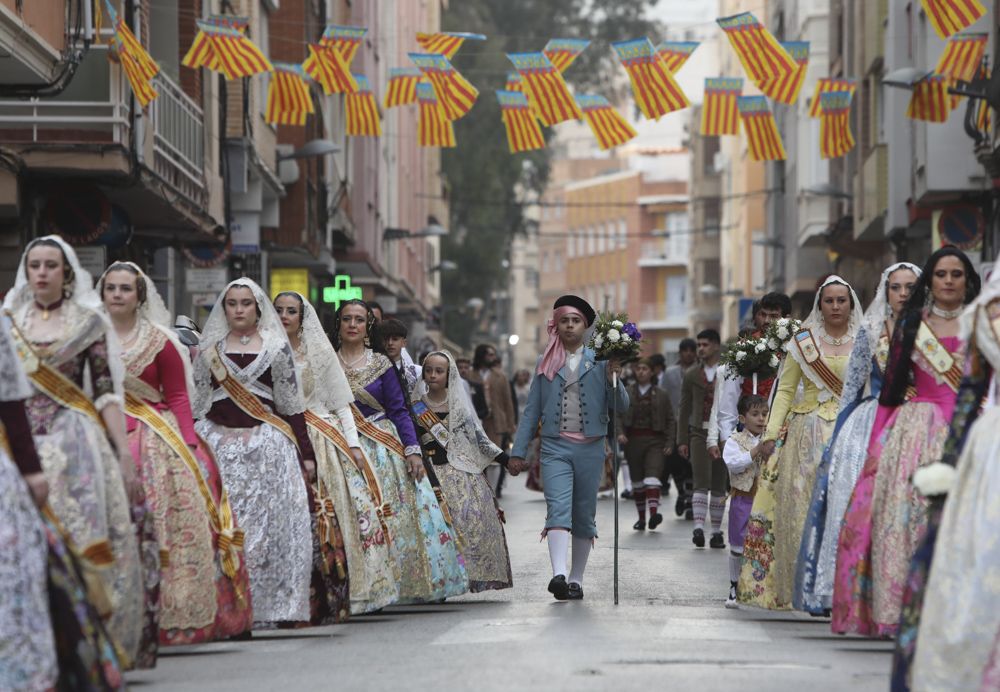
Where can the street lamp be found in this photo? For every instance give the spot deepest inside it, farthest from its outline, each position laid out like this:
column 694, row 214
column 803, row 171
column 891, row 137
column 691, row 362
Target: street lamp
column 433, row 229
column 444, row 266
column 315, row 147
column 826, row 190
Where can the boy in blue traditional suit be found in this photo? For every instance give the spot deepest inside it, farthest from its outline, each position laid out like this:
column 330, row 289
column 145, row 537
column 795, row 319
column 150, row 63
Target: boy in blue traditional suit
column 572, row 399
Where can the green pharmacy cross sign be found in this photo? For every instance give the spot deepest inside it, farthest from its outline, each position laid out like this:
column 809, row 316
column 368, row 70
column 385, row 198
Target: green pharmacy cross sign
column 341, row 291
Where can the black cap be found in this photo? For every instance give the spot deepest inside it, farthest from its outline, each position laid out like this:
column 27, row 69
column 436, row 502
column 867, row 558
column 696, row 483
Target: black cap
column 578, row 303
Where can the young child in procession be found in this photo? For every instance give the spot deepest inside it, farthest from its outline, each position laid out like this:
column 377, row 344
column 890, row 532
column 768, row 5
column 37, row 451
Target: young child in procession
column 743, row 471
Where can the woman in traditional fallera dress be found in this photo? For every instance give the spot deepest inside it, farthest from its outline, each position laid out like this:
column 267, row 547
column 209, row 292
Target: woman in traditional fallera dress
column 343, row 472
column 249, row 408
column 430, row 566
column 887, row 517
column 66, row 344
column 459, row 450
column 848, row 448
column 818, row 355
column 204, row 588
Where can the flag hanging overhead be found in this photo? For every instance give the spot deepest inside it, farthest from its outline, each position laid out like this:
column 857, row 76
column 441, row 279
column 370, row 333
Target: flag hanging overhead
column 545, row 87
column 346, row 39
column 433, row 129
column 825, row 84
column 402, row 87
column 761, row 55
column 835, row 137
column 523, row 131
column 961, row 59
column 762, row 132
column 513, row 82
column 327, row 66
column 361, row 111
column 609, row 127
column 455, row 93
column 563, row 51
column 221, row 46
column 948, row 17
column 288, row 98
column 654, row 87
column 138, row 65
column 719, row 114
column 446, row 43
column 673, row 54
column 929, row 101
column 786, row 89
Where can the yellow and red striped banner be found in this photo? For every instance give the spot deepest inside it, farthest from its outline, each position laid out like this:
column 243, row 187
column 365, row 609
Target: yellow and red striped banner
column 221, row 46
column 719, row 114
column 361, row 111
column 513, row 82
column 288, row 97
column 446, row 43
column 761, row 55
column 455, row 93
column 545, row 88
column 835, row 136
column 786, row 89
column 433, row 129
column 135, row 73
column 826, row 84
column 327, row 66
column 961, row 59
column 402, row 87
column 609, row 127
column 762, row 132
column 673, row 54
column 929, row 101
column 346, row 39
column 654, row 87
column 563, row 51
column 948, row 17
column 523, row 131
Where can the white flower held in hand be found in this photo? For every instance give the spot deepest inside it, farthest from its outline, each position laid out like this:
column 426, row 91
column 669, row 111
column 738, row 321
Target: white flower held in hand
column 773, row 344
column 774, row 361
column 782, row 333
column 760, row 347
column 598, row 341
column 614, row 336
column 740, row 356
column 617, row 324
column 626, row 338
column 783, row 322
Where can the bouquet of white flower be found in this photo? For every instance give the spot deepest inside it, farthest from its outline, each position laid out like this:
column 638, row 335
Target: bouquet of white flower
column 615, row 338
column 779, row 332
column 746, row 356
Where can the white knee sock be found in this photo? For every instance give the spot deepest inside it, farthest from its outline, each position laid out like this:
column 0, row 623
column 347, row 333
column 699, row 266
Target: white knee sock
column 581, row 551
column 626, row 478
column 735, row 564
column 558, row 546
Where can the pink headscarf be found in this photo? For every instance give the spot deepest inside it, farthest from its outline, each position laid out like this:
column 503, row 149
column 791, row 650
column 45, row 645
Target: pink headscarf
column 555, row 355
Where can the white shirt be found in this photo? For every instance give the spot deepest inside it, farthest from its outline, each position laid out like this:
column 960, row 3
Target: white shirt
column 723, row 418
column 573, row 359
column 643, row 388
column 737, row 460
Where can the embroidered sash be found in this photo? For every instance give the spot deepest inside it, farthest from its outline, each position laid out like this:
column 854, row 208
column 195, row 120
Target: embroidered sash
column 377, row 434
column 431, row 423
column 937, row 356
column 324, row 428
column 328, row 529
column 220, row 516
column 810, row 354
column 50, row 381
column 245, row 399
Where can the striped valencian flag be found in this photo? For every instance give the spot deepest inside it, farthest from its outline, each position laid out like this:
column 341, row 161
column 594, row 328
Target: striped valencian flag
column 786, row 89
column 346, row 39
column 653, row 86
column 433, row 129
column 201, row 53
column 835, row 137
column 455, row 93
column 545, row 88
column 563, row 51
column 135, row 72
column 719, row 114
column 961, row 59
column 361, row 111
column 929, row 101
column 948, row 17
column 673, row 54
column 513, row 82
column 825, row 84
column 226, row 50
column 128, row 43
column 402, row 87
column 327, row 66
column 761, row 55
column 446, row 43
column 762, row 132
column 984, row 121
column 288, row 98
column 523, row 131
column 609, row 127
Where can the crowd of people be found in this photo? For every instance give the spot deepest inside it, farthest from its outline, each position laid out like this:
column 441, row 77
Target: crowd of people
column 161, row 486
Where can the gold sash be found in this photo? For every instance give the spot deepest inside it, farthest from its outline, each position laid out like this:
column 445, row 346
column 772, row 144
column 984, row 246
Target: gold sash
column 245, row 399
column 221, row 515
column 53, row 383
column 810, row 353
column 377, row 434
column 432, row 423
column 327, row 526
column 938, row 357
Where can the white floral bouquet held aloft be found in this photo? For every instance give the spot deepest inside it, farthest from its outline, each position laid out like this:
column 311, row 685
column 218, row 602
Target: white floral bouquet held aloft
column 780, row 331
column 746, row 356
column 614, row 337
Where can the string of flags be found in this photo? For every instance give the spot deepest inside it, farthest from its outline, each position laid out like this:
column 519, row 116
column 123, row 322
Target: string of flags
column 536, row 93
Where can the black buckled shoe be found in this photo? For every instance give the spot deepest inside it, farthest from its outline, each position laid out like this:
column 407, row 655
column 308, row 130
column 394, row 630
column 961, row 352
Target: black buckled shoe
column 680, row 505
column 717, row 541
column 655, row 520
column 575, row 592
column 639, row 525
column 698, row 538
column 559, row 588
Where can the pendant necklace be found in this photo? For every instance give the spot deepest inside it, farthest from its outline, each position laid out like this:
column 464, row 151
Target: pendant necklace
column 47, row 309
column 947, row 314
column 351, row 365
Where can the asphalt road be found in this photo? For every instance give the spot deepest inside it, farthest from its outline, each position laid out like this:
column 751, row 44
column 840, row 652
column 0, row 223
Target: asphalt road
column 670, row 631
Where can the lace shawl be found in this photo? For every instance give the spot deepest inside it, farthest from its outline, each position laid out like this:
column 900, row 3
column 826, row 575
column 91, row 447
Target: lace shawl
column 14, row 384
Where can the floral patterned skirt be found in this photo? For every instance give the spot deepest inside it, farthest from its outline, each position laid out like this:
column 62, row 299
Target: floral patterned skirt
column 774, row 532
column 477, row 524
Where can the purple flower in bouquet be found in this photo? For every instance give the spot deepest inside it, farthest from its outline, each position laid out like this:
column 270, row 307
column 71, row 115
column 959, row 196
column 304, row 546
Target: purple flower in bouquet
column 632, row 331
